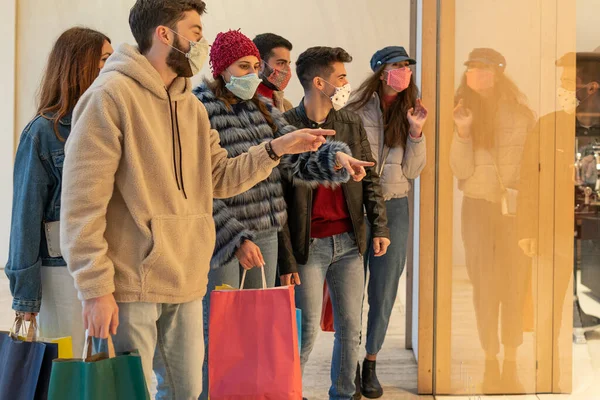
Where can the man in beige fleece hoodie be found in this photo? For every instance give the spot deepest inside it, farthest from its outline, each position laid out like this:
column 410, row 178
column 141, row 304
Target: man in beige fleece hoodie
column 142, row 167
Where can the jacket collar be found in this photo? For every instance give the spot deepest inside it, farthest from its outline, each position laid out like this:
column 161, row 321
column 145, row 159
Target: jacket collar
column 66, row 120
column 301, row 110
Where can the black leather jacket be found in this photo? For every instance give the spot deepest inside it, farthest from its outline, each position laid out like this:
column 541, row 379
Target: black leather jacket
column 294, row 239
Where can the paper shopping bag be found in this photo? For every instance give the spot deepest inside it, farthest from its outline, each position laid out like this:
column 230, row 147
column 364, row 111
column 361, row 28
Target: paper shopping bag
column 101, row 376
column 253, row 345
column 24, row 364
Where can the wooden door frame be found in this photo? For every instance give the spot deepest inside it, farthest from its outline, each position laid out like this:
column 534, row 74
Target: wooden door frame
column 427, row 220
column 412, row 50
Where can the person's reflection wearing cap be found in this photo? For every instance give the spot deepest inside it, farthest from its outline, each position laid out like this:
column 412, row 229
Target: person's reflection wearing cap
column 492, row 121
column 572, row 97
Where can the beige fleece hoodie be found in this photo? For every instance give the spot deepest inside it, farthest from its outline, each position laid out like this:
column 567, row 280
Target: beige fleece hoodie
column 135, row 152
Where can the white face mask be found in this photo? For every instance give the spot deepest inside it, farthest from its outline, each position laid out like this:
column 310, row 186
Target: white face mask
column 197, row 55
column 568, row 100
column 341, row 96
column 244, row 86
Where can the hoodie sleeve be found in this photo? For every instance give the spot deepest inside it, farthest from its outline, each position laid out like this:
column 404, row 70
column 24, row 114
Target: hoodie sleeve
column 231, row 233
column 93, row 153
column 311, row 168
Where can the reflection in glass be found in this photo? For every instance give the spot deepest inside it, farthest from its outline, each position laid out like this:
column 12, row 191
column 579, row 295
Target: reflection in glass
column 586, row 95
column 492, row 121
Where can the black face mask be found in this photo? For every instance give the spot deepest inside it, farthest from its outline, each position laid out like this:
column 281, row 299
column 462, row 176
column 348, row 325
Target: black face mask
column 178, row 61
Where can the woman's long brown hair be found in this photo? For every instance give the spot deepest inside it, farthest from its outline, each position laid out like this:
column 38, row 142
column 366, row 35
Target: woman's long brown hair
column 218, row 88
column 396, row 125
column 485, row 110
column 72, row 67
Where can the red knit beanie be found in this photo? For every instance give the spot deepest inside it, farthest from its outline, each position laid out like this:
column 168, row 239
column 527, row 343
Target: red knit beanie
column 229, row 47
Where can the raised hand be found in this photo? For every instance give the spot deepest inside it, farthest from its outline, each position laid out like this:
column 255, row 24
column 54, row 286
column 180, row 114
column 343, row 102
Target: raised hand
column 463, row 118
column 417, row 116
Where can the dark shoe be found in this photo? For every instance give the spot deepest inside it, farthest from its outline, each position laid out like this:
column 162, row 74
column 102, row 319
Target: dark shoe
column 357, row 395
column 371, row 388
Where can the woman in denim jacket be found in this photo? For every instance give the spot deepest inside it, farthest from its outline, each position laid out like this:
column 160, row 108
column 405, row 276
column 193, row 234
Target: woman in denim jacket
column 35, row 264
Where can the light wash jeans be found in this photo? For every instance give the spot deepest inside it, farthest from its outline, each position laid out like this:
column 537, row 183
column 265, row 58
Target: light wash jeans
column 169, row 340
column 61, row 310
column 385, row 272
column 231, row 274
column 337, row 260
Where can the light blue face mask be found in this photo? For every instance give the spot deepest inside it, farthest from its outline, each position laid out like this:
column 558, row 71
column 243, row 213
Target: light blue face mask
column 244, row 86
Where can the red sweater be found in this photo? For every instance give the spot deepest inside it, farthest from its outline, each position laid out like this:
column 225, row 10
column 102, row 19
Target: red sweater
column 264, row 91
column 330, row 214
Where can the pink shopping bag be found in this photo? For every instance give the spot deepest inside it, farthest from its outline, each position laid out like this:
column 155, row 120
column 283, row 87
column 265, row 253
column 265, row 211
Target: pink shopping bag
column 253, row 345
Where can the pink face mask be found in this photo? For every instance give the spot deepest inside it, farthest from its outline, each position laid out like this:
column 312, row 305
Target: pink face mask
column 277, row 77
column 398, row 79
column 480, row 79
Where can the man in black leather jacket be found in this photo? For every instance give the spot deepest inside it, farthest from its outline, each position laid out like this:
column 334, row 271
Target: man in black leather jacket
column 325, row 237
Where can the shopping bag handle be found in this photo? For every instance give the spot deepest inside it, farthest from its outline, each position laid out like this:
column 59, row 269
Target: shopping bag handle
column 88, row 347
column 19, row 324
column 264, row 279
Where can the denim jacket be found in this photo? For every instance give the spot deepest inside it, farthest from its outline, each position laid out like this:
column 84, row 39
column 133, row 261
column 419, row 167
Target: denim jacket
column 36, row 199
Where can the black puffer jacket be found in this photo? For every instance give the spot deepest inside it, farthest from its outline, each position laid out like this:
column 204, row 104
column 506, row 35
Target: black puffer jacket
column 294, row 239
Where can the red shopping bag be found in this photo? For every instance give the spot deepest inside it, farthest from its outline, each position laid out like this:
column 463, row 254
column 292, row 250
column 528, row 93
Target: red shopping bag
column 253, row 345
column 327, row 311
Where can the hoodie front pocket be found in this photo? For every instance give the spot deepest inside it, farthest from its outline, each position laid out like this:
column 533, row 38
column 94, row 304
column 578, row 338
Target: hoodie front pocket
column 181, row 253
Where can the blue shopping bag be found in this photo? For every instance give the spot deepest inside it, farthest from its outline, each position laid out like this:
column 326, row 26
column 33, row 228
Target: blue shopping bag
column 299, row 325
column 21, row 363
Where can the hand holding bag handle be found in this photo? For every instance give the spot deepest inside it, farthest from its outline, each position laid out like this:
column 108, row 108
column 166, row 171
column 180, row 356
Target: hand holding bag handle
column 17, row 327
column 264, row 279
column 19, row 324
column 87, row 349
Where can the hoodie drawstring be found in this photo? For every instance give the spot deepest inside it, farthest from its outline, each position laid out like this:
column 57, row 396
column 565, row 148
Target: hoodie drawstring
column 178, row 171
column 180, row 152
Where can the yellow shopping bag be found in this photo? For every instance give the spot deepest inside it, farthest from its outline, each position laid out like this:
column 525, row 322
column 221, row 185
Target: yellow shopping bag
column 225, row 287
column 65, row 345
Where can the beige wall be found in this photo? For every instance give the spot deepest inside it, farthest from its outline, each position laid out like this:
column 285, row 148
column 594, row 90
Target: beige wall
column 356, row 25
column 588, row 28
column 7, row 113
column 39, row 25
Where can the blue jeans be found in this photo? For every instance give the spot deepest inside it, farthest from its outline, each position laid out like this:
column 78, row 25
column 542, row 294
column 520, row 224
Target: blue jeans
column 167, row 337
column 336, row 259
column 385, row 272
column 231, row 274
